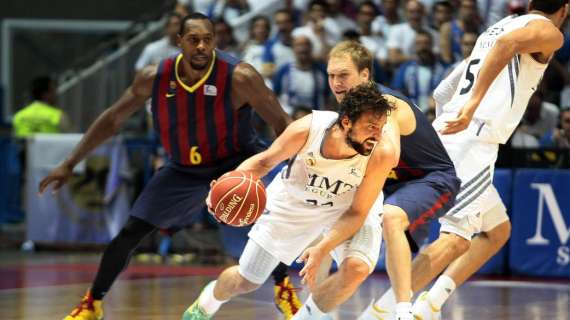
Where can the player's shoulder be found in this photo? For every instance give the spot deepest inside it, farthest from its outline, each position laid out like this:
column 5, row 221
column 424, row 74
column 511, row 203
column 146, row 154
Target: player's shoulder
column 244, row 73
column 385, row 152
column 303, row 124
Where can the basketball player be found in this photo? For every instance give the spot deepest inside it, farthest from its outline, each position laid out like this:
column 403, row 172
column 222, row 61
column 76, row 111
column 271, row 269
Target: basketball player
column 503, row 71
column 202, row 103
column 338, row 164
column 420, row 189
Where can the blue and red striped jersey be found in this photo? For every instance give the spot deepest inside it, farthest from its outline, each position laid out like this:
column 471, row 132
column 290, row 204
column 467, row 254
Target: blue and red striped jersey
column 421, row 152
column 198, row 125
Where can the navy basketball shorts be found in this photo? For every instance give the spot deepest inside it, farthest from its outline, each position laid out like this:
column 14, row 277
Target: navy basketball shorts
column 172, row 198
column 424, row 200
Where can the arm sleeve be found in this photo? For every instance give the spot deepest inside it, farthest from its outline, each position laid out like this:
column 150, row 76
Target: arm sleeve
column 446, row 88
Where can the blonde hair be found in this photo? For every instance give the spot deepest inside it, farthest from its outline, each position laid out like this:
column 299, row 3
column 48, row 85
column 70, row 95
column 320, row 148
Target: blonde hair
column 359, row 55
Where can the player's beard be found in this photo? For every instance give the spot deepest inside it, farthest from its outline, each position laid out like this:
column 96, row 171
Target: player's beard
column 358, row 146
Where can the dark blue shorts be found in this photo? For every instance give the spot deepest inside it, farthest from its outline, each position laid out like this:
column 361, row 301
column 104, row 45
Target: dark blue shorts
column 424, row 200
column 172, row 198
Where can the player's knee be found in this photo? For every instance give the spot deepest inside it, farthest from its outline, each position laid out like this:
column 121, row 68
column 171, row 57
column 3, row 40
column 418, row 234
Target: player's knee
column 500, row 234
column 459, row 245
column 354, row 271
column 394, row 221
column 455, row 243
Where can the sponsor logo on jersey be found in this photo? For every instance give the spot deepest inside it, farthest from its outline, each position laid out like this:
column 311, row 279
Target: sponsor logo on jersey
column 210, row 90
column 323, row 186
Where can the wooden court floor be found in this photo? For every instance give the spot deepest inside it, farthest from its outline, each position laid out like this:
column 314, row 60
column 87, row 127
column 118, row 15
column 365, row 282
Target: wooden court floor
column 47, row 286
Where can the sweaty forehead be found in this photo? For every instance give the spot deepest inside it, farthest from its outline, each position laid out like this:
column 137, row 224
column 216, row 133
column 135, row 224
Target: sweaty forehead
column 198, row 27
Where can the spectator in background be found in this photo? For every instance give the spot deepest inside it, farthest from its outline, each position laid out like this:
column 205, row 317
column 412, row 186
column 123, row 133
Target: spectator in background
column 259, row 30
column 491, row 11
column 402, row 37
column 523, row 140
column 321, row 30
column 559, row 137
column 390, row 17
column 442, row 13
column 336, row 14
column 279, row 50
column 41, row 116
column 225, row 39
column 540, row 116
column 375, row 43
column 227, row 9
column 163, row 48
column 468, row 41
column 419, row 77
column 451, row 32
column 303, row 82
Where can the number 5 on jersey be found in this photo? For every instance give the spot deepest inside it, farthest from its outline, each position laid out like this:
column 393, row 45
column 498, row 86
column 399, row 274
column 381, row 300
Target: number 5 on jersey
column 470, row 75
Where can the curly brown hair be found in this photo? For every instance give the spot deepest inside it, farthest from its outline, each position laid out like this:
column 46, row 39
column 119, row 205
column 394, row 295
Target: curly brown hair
column 363, row 98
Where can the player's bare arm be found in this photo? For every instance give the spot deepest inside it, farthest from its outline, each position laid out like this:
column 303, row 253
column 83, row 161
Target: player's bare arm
column 284, row 147
column 383, row 159
column 540, row 38
column 104, row 127
column 248, row 87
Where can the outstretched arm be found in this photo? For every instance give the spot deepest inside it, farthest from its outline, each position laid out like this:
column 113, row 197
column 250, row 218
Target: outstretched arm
column 539, row 38
column 104, row 127
column 284, row 147
column 248, row 87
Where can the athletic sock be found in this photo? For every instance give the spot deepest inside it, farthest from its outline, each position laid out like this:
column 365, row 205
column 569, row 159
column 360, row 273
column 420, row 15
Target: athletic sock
column 308, row 311
column 441, row 290
column 207, row 301
column 404, row 310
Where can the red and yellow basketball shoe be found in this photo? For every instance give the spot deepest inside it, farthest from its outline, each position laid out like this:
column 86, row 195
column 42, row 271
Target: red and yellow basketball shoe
column 286, row 299
column 87, row 309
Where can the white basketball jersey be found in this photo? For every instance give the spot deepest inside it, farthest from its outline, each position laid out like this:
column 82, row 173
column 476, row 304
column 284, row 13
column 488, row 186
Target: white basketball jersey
column 312, row 182
column 505, row 102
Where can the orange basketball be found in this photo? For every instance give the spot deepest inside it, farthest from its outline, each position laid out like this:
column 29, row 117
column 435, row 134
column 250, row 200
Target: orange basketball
column 238, row 198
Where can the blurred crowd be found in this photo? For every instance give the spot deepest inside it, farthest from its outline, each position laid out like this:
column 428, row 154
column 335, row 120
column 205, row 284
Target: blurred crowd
column 415, row 44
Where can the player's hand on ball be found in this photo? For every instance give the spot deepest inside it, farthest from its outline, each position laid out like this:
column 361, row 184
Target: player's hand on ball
column 57, row 176
column 209, row 197
column 209, row 201
column 312, row 257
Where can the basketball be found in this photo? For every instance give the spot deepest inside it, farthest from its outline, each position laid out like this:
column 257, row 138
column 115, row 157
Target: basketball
column 238, row 198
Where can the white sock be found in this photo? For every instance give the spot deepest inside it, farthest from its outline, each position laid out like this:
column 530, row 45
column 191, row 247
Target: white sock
column 403, row 310
column 207, row 301
column 308, row 311
column 441, row 290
